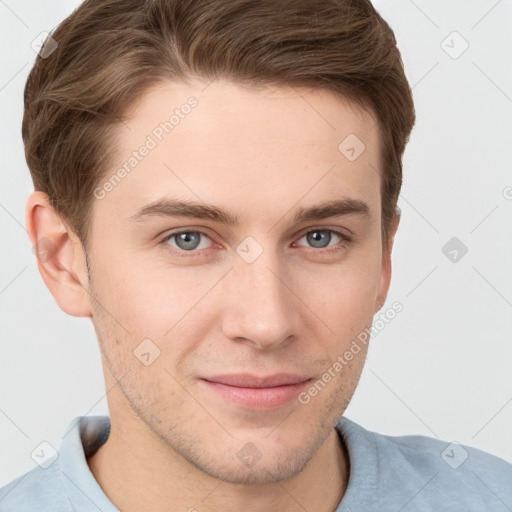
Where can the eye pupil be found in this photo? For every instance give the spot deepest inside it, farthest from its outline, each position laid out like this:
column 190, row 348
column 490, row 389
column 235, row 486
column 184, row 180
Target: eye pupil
column 188, row 240
column 319, row 237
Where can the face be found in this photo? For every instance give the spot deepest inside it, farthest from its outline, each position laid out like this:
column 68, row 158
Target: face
column 180, row 299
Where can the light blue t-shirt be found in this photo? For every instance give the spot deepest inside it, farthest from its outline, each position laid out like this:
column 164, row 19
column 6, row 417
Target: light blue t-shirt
column 387, row 474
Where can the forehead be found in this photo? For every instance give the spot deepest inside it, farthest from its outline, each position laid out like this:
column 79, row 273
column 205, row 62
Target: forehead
column 202, row 114
column 238, row 146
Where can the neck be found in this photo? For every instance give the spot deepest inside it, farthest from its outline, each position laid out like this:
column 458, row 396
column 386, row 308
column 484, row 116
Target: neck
column 129, row 462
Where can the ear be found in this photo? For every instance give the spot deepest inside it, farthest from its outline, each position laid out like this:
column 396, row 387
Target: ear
column 60, row 256
column 385, row 277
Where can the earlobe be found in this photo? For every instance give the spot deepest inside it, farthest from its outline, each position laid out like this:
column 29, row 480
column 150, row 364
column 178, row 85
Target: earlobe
column 58, row 253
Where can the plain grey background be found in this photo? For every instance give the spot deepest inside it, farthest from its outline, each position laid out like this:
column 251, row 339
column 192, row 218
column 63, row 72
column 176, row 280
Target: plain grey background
column 441, row 368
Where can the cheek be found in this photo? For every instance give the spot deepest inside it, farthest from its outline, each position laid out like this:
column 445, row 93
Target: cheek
column 167, row 306
column 342, row 294
column 143, row 296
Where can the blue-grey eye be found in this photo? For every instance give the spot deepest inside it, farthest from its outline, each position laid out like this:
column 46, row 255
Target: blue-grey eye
column 320, row 238
column 187, row 240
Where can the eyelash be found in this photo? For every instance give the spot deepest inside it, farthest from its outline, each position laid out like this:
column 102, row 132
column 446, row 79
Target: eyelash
column 181, row 253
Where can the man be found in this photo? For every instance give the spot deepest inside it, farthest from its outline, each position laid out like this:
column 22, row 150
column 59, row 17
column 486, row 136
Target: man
column 216, row 187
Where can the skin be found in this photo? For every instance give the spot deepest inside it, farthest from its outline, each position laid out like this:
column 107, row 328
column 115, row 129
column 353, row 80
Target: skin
column 260, row 154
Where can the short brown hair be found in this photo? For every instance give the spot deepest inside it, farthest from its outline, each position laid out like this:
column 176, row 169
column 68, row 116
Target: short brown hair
column 110, row 52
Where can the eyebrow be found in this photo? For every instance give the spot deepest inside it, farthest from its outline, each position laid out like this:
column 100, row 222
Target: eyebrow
column 169, row 207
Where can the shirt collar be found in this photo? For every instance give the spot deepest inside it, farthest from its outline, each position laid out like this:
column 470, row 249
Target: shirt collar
column 84, row 435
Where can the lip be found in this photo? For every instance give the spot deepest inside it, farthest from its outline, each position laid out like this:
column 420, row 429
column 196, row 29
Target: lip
column 254, row 392
column 246, row 380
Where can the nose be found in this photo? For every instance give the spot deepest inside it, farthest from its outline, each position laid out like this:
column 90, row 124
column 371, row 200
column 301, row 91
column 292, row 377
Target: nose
column 261, row 309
